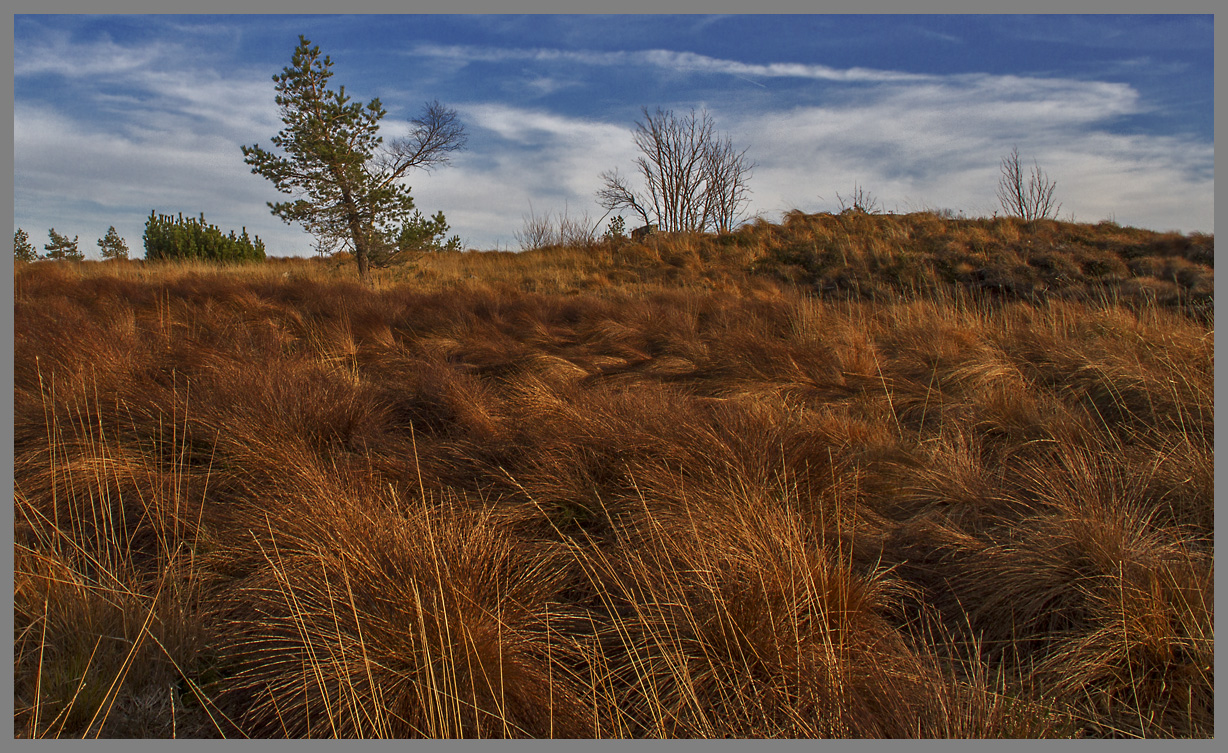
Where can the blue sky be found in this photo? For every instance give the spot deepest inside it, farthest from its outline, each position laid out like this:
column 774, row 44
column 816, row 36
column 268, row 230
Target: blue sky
column 115, row 116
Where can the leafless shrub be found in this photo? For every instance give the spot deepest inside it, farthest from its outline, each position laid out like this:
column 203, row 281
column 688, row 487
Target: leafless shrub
column 861, row 200
column 537, row 232
column 576, row 231
column 1029, row 197
column 544, row 231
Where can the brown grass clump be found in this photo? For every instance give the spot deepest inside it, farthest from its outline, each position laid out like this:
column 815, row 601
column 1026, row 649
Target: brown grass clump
column 360, row 620
column 107, row 592
column 852, row 476
column 743, row 624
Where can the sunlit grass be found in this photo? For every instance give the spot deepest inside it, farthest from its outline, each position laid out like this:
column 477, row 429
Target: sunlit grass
column 848, row 476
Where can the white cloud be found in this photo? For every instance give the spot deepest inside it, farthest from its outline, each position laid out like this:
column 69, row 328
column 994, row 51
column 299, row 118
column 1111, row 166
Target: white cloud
column 67, row 172
column 57, row 54
column 163, row 132
column 683, row 62
column 941, row 146
column 531, row 161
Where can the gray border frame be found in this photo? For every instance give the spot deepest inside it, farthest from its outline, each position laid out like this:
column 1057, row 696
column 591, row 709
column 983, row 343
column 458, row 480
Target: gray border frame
column 560, row 6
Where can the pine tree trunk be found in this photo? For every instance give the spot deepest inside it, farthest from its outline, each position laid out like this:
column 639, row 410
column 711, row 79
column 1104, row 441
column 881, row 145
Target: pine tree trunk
column 357, row 233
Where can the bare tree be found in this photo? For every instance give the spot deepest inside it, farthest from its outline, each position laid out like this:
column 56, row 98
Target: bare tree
column 1029, row 197
column 694, row 180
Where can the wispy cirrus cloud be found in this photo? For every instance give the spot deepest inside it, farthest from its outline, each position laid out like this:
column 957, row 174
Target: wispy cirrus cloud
column 671, row 60
column 1087, row 101
column 69, row 168
column 946, row 154
column 57, row 54
column 524, row 160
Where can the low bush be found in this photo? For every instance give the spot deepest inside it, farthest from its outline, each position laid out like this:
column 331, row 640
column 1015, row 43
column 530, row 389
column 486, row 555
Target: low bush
column 177, row 239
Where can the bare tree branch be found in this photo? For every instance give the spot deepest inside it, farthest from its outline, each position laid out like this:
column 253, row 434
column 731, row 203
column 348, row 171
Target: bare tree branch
column 616, row 194
column 725, row 176
column 437, row 134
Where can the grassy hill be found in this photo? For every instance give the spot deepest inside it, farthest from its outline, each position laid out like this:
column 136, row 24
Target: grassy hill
column 849, row 475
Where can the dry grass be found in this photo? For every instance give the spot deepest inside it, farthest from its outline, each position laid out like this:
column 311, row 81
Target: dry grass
column 699, row 486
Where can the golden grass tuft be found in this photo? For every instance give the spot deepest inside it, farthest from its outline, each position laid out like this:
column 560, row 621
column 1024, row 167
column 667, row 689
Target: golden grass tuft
column 363, row 620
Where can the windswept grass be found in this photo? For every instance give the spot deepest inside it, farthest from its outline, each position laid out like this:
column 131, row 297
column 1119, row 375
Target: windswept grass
column 848, row 476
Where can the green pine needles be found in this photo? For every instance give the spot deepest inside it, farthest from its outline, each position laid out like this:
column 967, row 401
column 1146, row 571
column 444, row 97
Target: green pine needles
column 173, row 238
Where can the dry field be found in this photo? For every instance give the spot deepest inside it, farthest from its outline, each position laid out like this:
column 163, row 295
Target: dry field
column 846, row 476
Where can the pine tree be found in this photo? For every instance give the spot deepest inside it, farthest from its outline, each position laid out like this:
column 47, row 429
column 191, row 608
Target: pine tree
column 112, row 246
column 23, row 249
column 346, row 179
column 62, row 249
